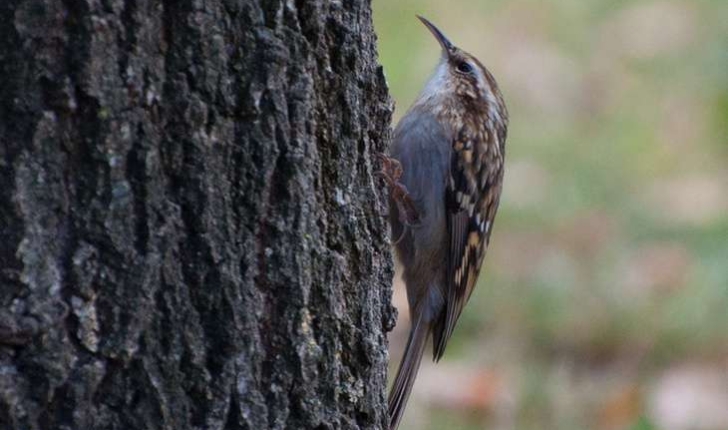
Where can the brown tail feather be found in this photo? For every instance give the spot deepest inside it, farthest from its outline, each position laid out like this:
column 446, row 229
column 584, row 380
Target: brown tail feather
column 407, row 372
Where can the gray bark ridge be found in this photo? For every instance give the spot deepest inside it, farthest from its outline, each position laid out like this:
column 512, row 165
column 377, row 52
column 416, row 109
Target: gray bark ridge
column 193, row 234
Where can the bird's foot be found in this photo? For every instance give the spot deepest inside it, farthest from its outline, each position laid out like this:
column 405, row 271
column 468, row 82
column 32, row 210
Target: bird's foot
column 391, row 172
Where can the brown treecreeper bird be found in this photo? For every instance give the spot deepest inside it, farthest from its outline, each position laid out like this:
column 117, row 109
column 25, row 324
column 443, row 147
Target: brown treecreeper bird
column 445, row 176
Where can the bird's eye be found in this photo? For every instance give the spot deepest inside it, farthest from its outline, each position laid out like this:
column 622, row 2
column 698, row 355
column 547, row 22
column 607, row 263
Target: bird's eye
column 464, row 67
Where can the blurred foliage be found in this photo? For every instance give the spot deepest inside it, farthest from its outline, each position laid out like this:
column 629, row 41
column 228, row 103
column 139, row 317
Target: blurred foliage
column 608, row 268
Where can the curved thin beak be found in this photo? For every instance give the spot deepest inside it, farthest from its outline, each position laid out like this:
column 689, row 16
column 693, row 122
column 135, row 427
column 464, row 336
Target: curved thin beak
column 444, row 42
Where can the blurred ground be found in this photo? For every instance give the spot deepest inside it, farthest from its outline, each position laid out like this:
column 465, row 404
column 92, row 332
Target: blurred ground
column 603, row 302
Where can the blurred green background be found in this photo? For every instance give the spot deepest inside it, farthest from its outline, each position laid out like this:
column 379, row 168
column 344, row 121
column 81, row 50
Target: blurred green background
column 603, row 302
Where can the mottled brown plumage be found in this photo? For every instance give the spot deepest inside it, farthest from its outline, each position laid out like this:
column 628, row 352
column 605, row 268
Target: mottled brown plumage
column 450, row 146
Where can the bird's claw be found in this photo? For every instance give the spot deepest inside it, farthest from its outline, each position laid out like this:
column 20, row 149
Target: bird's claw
column 392, row 172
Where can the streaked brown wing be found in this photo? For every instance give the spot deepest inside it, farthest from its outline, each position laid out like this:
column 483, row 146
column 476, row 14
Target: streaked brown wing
column 472, row 195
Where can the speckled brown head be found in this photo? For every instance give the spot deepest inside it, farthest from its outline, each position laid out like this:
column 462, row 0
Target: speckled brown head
column 460, row 79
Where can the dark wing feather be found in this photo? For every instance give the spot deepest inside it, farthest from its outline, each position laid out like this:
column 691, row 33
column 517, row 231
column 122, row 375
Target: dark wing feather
column 472, row 195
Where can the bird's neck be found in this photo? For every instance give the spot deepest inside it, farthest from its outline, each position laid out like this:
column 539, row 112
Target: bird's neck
column 438, row 91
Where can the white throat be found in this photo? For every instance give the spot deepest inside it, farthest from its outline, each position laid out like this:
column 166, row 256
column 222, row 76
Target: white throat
column 438, row 86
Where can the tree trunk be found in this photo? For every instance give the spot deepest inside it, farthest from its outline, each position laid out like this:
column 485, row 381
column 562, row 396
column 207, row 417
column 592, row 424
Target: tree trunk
column 192, row 233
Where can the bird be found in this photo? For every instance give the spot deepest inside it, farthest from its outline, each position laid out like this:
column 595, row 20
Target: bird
column 445, row 173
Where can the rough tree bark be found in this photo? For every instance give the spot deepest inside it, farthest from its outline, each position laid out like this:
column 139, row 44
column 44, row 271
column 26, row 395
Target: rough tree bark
column 192, row 232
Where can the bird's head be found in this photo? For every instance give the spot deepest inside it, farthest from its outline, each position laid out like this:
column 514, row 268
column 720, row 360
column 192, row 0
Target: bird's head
column 460, row 77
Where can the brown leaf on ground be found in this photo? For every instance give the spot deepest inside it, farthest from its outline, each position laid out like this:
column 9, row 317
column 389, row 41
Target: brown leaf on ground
column 621, row 409
column 696, row 200
column 587, row 233
column 657, row 268
column 461, row 388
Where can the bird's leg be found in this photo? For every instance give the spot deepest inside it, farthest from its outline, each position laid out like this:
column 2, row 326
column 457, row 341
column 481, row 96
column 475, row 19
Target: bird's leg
column 391, row 172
